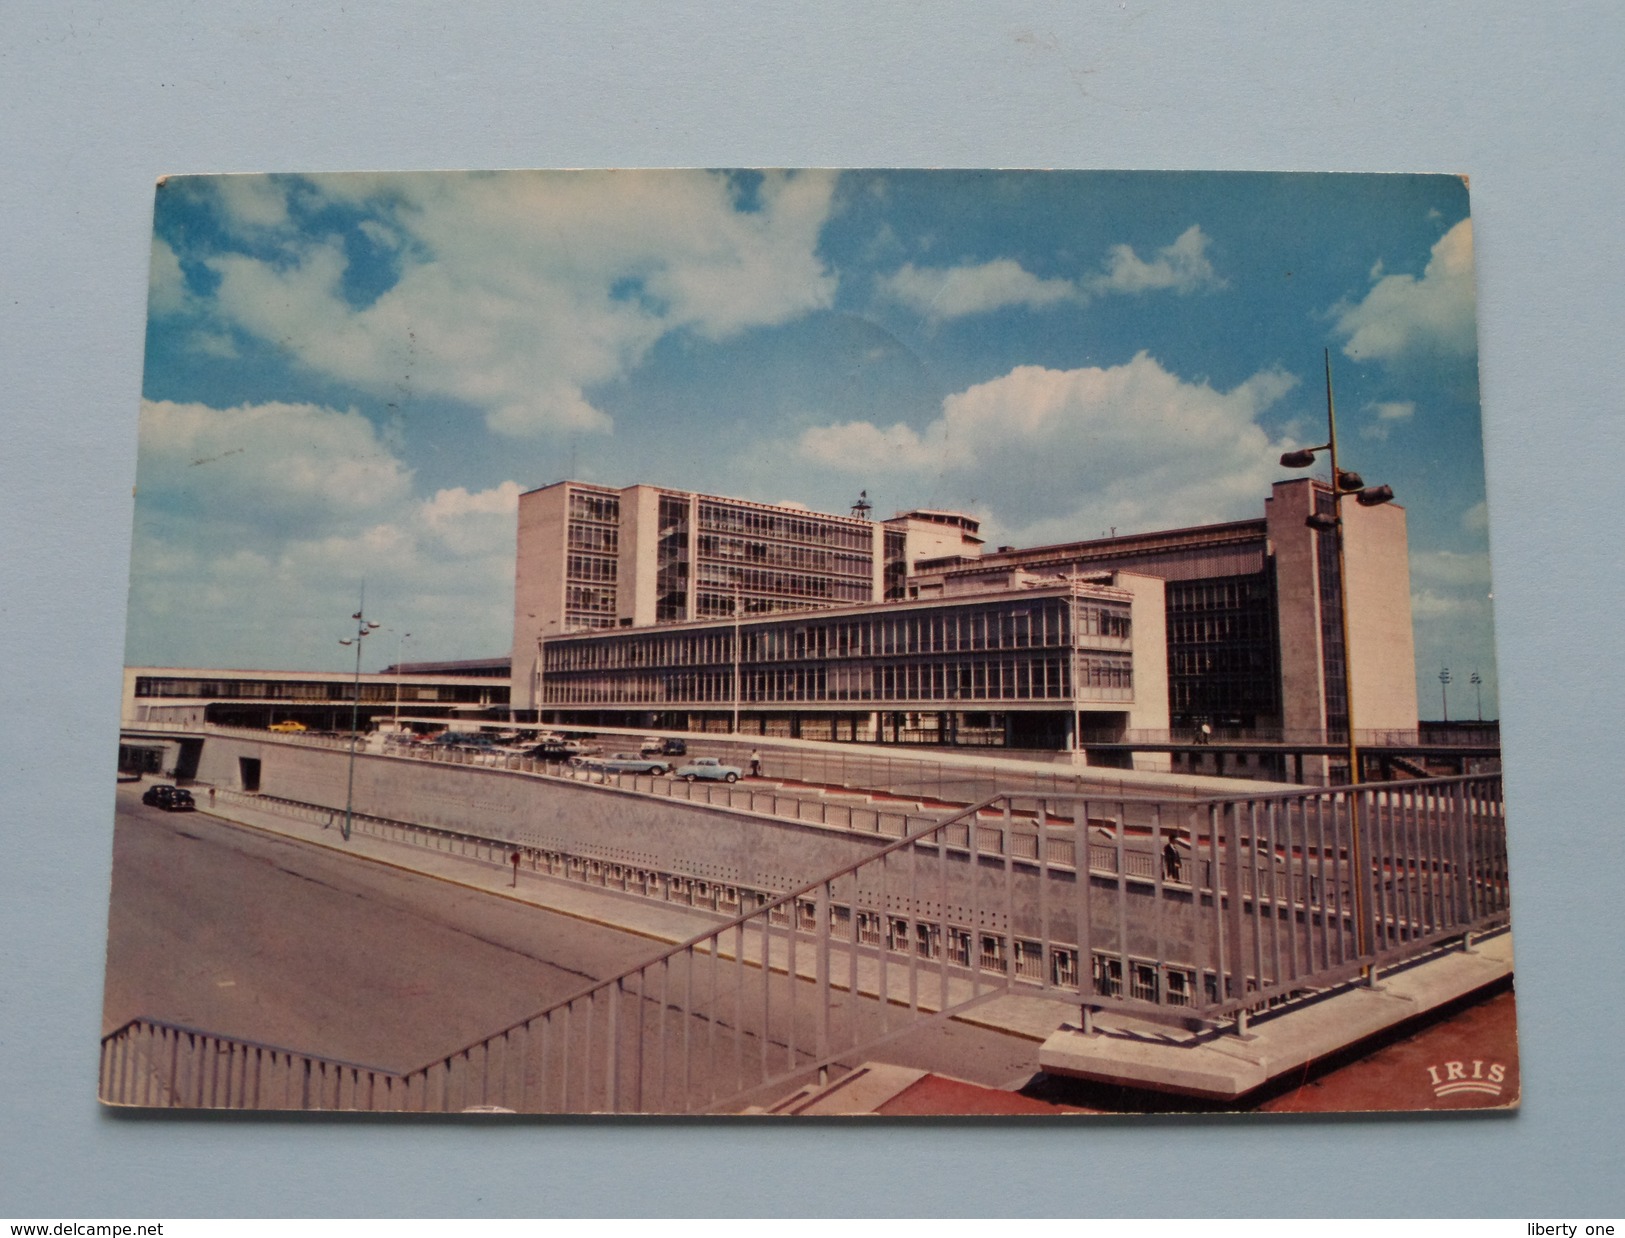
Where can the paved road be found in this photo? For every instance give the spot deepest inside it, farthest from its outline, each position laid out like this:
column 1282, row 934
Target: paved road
column 267, row 939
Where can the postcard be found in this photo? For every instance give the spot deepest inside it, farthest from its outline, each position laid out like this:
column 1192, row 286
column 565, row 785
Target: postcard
column 810, row 642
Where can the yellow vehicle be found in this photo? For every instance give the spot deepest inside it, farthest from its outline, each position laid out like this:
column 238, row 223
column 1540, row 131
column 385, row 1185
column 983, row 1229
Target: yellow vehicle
column 288, row 725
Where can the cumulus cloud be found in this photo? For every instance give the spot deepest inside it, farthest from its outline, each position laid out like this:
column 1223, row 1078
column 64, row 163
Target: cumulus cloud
column 517, row 293
column 955, row 292
column 1180, row 267
column 1404, row 314
column 1074, row 451
column 939, row 293
column 251, row 202
column 262, row 521
column 1386, row 414
column 166, row 284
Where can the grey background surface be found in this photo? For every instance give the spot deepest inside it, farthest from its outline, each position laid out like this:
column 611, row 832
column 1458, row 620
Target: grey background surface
column 98, row 100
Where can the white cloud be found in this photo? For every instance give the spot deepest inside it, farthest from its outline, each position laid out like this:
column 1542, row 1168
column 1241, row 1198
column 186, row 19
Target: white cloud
column 954, row 292
column 166, row 284
column 1387, row 414
column 1075, row 451
column 251, row 202
column 1452, row 569
column 266, row 460
column 1181, row 267
column 939, row 293
column 1476, row 519
column 261, row 522
column 518, row 292
column 1402, row 314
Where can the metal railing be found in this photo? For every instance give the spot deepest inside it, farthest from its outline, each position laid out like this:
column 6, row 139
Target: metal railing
column 1429, row 737
column 1202, row 912
column 1192, row 913
column 158, row 1065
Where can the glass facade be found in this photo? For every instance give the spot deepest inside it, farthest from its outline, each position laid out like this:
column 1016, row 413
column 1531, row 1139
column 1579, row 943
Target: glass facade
column 774, row 561
column 591, row 566
column 1223, row 664
column 1019, row 648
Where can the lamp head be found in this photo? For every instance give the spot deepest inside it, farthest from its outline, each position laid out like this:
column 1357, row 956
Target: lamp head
column 1375, row 496
column 1348, row 482
column 1300, row 459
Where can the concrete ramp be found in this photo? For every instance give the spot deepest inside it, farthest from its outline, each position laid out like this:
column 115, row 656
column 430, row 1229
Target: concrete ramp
column 1223, row 1066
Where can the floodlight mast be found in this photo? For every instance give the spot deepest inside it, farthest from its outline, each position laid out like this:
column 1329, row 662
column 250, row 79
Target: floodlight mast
column 363, row 627
column 1344, row 484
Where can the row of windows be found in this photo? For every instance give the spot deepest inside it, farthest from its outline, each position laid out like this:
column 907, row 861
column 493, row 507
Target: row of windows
column 712, row 605
column 590, row 599
column 257, row 690
column 785, row 584
column 592, row 537
column 1044, row 623
column 1039, row 677
column 1216, row 594
column 671, row 561
column 587, row 506
column 778, row 554
column 715, row 517
column 1220, row 629
column 591, row 569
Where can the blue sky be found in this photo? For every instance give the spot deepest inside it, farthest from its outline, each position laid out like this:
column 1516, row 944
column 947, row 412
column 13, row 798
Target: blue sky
column 352, row 377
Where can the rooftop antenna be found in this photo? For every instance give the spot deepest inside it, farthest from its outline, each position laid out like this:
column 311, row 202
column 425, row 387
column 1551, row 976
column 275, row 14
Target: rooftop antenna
column 862, row 507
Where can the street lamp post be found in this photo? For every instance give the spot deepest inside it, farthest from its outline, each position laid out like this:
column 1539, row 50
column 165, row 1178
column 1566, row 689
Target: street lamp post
column 1477, row 681
column 1344, row 484
column 400, row 644
column 736, row 659
column 363, row 627
column 1444, row 691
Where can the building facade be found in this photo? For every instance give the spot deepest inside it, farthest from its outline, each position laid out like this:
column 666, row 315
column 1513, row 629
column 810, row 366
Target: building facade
column 595, row 557
column 1248, row 624
column 1254, row 628
column 1011, row 667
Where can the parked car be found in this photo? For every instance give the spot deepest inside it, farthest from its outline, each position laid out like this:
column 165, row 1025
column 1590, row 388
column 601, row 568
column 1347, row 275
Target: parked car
column 550, row 750
column 708, row 769
column 169, row 798
column 654, row 746
column 289, row 726
column 630, row 763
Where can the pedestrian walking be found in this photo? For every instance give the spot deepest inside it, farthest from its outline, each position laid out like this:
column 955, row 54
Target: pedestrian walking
column 755, row 764
column 1205, row 734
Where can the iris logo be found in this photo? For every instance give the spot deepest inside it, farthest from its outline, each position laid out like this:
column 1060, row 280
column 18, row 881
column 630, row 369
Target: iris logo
column 1450, row 1078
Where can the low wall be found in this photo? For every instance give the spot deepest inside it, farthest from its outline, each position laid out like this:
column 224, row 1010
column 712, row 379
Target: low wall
column 671, row 835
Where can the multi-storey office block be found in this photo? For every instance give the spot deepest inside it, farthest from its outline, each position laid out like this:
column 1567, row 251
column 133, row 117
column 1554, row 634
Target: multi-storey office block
column 1014, row 667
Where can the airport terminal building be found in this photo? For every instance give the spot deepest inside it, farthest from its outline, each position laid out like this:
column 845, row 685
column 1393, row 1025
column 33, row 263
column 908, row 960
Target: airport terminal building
column 674, row 610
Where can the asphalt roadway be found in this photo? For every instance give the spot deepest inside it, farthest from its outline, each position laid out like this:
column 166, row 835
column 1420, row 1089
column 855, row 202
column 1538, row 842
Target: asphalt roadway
column 260, row 937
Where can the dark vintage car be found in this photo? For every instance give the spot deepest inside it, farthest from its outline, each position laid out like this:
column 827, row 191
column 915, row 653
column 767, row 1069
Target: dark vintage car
column 169, row 798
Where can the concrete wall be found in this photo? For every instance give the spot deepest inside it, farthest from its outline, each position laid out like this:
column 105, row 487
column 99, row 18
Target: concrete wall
column 546, row 813
column 1382, row 644
column 1150, row 645
column 1297, row 603
column 757, row 853
column 538, row 593
column 635, row 593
